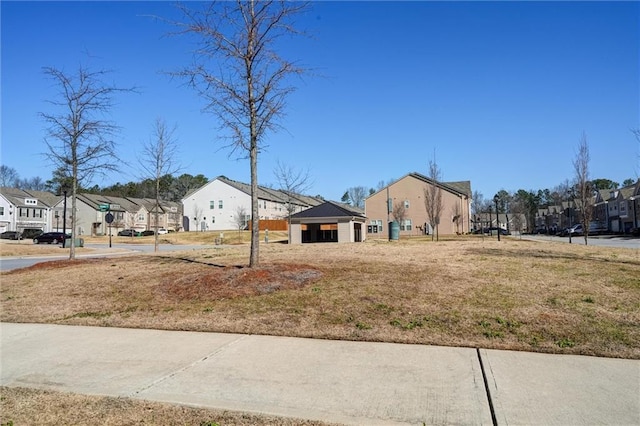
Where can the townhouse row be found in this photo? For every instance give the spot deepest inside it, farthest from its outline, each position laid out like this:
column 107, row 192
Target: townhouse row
column 614, row 210
column 32, row 212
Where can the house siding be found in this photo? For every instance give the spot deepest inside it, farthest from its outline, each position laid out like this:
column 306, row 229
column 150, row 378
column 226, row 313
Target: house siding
column 411, row 189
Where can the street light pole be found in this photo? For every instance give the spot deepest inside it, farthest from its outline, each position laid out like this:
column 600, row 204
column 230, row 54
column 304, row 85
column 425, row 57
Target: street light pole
column 64, row 220
column 495, row 200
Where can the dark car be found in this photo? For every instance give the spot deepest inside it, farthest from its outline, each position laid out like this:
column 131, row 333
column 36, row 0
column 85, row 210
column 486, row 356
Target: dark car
column 128, row 233
column 51, row 238
column 147, row 233
column 11, row 235
column 493, row 230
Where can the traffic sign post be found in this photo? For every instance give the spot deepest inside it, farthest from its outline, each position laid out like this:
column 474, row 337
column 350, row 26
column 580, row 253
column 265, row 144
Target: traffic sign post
column 109, row 218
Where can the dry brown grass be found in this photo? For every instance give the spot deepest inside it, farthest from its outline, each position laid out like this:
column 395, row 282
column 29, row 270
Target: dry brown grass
column 21, row 406
column 515, row 294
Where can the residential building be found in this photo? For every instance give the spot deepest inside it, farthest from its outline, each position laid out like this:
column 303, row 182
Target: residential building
column 225, row 204
column 406, row 196
column 28, row 212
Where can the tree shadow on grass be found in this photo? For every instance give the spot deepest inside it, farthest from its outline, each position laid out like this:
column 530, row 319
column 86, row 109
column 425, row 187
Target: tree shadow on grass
column 548, row 255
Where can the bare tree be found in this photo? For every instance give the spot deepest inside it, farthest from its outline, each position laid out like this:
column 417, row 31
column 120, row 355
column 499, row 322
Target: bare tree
column 399, row 212
column 240, row 217
column 241, row 76
column 8, row 176
column 79, row 137
column 357, row 195
column 157, row 160
column 584, row 191
column 457, row 216
column 433, row 198
column 197, row 215
column 291, row 183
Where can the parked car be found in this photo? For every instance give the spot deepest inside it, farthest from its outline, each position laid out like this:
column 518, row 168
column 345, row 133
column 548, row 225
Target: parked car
column 635, row 232
column 11, row 235
column 128, row 233
column 147, row 233
column 162, row 231
column 594, row 229
column 51, row 238
column 493, row 229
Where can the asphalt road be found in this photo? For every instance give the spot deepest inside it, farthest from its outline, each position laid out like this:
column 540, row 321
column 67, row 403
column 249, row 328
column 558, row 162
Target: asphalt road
column 10, row 263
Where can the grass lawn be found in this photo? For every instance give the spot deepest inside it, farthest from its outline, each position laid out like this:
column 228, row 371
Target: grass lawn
column 462, row 291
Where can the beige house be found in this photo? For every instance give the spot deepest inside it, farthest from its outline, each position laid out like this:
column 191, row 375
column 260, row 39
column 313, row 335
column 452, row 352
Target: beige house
column 407, row 196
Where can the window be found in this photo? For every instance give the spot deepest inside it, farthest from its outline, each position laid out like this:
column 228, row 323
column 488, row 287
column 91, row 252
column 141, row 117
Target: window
column 213, row 219
column 406, row 204
column 212, row 205
column 37, row 213
column 375, row 226
column 1, row 210
column 30, row 202
column 23, row 212
column 219, row 204
column 406, row 225
column 141, row 217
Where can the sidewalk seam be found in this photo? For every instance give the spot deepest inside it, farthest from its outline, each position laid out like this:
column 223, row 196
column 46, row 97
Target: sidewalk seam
column 494, row 420
column 185, row 368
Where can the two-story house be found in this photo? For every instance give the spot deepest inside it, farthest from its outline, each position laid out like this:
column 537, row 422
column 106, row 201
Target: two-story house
column 406, row 197
column 28, row 212
column 224, row 204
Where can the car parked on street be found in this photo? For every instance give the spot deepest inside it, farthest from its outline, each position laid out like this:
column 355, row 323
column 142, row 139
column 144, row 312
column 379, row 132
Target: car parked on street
column 11, row 235
column 162, row 231
column 51, row 238
column 128, row 233
column 147, row 233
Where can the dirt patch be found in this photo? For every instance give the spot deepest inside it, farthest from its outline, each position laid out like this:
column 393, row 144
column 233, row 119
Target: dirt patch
column 224, row 282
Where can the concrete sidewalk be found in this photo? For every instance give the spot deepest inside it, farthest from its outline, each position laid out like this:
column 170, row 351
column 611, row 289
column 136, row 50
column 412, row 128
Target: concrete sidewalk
column 335, row 381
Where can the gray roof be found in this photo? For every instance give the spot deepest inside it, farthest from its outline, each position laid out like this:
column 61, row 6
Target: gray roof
column 271, row 194
column 330, row 209
column 17, row 196
column 460, row 187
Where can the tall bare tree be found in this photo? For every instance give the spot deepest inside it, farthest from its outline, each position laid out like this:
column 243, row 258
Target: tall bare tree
column 79, row 137
column 157, row 160
column 241, row 76
column 8, row 176
column 433, row 198
column 357, row 195
column 584, row 189
column 291, row 182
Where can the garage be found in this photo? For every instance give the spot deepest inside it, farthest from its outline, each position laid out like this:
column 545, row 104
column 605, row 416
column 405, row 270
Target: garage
column 328, row 222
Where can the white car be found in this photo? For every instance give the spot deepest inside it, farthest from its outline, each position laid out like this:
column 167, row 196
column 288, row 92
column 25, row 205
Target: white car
column 162, row 231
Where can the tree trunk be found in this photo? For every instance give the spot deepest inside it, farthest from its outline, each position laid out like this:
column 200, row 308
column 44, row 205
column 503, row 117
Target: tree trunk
column 255, row 225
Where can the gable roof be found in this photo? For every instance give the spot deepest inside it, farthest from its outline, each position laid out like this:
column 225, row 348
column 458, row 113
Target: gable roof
column 264, row 193
column 460, row 187
column 330, row 209
column 17, row 197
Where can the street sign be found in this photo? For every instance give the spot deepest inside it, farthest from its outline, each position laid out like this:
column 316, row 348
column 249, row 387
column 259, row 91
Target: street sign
column 103, row 207
column 115, row 206
column 108, row 218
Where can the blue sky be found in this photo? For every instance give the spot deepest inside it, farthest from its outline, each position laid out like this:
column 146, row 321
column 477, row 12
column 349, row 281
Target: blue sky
column 500, row 91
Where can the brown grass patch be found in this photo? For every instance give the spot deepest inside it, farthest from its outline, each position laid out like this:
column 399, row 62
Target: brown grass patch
column 22, row 406
column 518, row 295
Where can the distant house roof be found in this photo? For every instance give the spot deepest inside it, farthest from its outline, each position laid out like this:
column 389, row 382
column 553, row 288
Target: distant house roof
column 329, row 209
column 265, row 193
column 460, row 187
column 17, row 196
